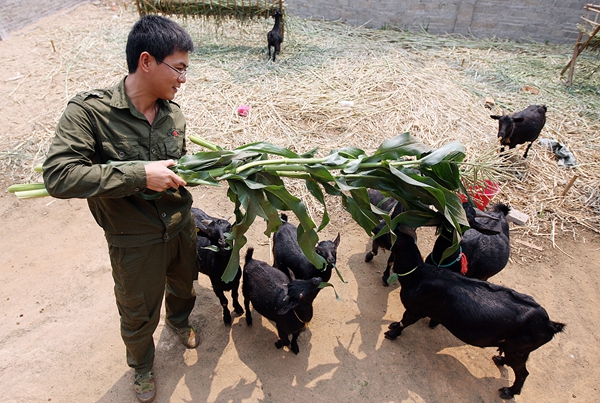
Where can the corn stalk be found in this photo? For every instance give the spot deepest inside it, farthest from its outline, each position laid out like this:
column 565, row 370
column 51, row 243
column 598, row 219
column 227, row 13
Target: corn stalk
column 423, row 179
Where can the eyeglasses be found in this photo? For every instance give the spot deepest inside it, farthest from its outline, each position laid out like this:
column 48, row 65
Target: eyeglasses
column 182, row 73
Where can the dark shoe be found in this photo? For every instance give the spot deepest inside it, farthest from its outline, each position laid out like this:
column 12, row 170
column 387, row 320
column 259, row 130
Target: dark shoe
column 144, row 386
column 187, row 335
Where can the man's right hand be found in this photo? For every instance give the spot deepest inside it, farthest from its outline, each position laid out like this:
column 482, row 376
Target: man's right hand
column 160, row 178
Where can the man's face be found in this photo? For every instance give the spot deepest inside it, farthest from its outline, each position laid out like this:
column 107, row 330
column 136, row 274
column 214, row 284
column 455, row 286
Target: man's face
column 169, row 77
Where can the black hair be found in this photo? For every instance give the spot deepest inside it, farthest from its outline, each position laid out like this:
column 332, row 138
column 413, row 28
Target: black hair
column 158, row 36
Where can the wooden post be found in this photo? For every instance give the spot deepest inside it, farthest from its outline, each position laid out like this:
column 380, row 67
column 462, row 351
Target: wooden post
column 282, row 22
column 579, row 46
column 569, row 185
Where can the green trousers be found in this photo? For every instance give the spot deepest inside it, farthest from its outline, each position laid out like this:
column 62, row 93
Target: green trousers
column 142, row 276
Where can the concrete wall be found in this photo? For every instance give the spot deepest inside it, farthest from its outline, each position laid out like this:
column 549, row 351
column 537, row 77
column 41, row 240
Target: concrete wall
column 15, row 14
column 554, row 21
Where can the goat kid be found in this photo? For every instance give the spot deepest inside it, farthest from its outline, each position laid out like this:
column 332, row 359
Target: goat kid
column 477, row 312
column 288, row 255
column 384, row 241
column 275, row 36
column 286, row 302
column 211, row 235
column 521, row 127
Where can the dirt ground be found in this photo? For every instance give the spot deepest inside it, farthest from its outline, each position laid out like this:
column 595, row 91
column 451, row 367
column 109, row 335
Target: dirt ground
column 60, row 342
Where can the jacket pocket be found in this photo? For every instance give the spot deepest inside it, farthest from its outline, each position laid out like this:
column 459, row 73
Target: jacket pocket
column 119, row 151
column 174, row 147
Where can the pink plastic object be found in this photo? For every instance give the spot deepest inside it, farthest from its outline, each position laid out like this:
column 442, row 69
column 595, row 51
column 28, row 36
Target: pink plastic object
column 243, row 110
column 482, row 195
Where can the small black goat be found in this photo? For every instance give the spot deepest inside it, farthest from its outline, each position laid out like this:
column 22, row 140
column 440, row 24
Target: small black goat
column 213, row 263
column 477, row 312
column 275, row 36
column 286, row 302
column 521, row 127
column 482, row 253
column 288, row 255
column 384, row 241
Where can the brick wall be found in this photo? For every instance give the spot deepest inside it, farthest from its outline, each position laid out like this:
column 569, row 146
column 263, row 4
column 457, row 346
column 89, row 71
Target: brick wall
column 554, row 21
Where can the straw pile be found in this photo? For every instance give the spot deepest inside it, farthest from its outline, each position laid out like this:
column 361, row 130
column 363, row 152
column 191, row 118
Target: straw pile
column 209, row 8
column 435, row 87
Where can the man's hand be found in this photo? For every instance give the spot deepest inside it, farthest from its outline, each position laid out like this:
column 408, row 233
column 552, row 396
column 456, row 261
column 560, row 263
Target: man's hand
column 160, row 178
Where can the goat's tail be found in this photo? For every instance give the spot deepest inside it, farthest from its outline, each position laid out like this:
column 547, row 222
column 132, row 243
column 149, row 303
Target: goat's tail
column 249, row 254
column 556, row 327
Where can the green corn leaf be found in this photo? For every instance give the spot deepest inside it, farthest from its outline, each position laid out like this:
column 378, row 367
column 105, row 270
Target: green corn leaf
column 339, row 274
column 363, row 217
column 335, row 159
column 324, row 284
column 400, row 146
column 263, row 147
column 354, row 165
column 453, row 151
column 309, row 154
column 317, row 193
column 351, row 152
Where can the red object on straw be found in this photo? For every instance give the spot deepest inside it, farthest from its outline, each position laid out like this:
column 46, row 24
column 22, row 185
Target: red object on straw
column 482, row 195
column 243, row 110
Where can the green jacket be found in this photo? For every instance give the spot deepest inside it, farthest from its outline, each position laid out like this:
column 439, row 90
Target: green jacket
column 103, row 125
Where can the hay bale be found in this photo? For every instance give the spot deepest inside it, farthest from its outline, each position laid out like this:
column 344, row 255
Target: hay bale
column 239, row 9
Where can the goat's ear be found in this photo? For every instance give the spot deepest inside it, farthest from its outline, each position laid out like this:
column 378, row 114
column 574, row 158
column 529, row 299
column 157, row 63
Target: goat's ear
column 336, row 241
column 202, row 227
column 289, row 305
column 518, row 119
column 405, row 229
column 286, row 308
column 486, row 230
column 497, row 117
column 291, row 274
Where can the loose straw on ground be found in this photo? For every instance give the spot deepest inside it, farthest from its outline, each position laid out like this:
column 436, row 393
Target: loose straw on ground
column 433, row 86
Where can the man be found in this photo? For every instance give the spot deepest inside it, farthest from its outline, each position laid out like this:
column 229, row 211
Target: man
column 151, row 235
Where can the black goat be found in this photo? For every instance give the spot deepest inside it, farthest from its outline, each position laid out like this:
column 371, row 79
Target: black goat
column 521, row 127
column 213, row 263
column 477, row 312
column 275, row 36
column 482, row 253
column 377, row 198
column 384, row 241
column 287, row 253
column 286, row 302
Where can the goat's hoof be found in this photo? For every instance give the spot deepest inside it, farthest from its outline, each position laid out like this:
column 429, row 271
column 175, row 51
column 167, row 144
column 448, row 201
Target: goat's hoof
column 295, row 349
column 391, row 335
column 239, row 310
column 280, row 343
column 394, row 325
column 433, row 324
column 506, row 393
column 227, row 321
column 499, row 360
column 385, row 281
column 368, row 257
column 249, row 321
